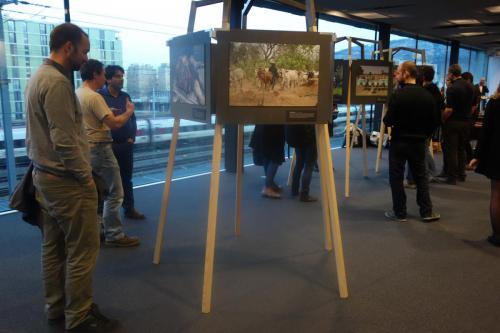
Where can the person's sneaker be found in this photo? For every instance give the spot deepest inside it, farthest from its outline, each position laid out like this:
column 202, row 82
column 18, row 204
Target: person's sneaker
column 95, row 322
column 433, row 217
column 305, row 197
column 394, row 217
column 125, row 241
column 134, row 215
column 268, row 192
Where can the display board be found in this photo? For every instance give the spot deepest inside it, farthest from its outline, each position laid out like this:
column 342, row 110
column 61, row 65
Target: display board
column 190, row 76
column 273, row 77
column 371, row 81
column 340, row 81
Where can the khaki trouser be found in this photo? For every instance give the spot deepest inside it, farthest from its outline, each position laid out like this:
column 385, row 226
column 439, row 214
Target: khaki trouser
column 70, row 244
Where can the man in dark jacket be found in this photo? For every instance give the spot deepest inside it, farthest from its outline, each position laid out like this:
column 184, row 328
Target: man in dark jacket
column 456, row 118
column 413, row 118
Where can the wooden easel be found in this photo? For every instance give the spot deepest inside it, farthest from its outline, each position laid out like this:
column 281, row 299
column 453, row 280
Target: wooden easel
column 329, row 199
column 362, row 111
column 391, row 52
column 173, row 146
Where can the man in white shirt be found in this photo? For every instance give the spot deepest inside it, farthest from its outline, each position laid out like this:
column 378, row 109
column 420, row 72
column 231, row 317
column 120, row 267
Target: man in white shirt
column 98, row 120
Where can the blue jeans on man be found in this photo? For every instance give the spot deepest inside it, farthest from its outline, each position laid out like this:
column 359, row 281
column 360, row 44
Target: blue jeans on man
column 104, row 164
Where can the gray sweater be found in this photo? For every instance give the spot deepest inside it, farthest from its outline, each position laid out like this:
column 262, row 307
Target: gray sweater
column 55, row 137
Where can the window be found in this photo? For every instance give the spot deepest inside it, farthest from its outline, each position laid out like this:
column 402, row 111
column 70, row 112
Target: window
column 25, row 23
column 43, row 28
column 437, row 57
column 43, row 40
column 464, row 59
column 12, row 37
column 403, row 55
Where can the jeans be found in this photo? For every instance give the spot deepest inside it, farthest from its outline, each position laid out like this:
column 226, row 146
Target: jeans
column 270, row 170
column 70, row 244
column 305, row 160
column 400, row 152
column 104, row 164
column 124, row 154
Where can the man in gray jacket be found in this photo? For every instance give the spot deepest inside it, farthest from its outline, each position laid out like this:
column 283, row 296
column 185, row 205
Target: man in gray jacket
column 57, row 145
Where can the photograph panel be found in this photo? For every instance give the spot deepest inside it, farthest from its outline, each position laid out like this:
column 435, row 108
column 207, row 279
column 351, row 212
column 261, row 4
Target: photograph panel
column 188, row 74
column 273, row 74
column 372, row 81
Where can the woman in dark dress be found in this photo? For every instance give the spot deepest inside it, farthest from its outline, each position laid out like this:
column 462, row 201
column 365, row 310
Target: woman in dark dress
column 268, row 144
column 487, row 160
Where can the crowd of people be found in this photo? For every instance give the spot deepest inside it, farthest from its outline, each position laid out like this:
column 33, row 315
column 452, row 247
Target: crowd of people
column 80, row 144
column 417, row 111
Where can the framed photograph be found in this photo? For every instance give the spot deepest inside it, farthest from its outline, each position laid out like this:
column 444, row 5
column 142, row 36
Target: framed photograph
column 273, row 77
column 371, row 81
column 340, row 81
column 190, row 74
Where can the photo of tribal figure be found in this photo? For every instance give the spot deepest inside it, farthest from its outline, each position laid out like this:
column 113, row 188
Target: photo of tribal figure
column 267, row 74
column 372, row 81
column 188, row 74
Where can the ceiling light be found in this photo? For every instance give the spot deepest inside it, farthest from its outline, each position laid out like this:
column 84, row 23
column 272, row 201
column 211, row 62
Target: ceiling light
column 370, row 15
column 336, row 13
column 473, row 34
column 493, row 9
column 465, row 21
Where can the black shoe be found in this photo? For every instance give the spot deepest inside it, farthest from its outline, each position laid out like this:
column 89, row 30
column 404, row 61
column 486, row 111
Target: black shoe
column 394, row 217
column 461, row 178
column 95, row 322
column 134, row 215
column 304, row 197
column 493, row 240
column 442, row 175
column 433, row 217
column 295, row 193
column 56, row 321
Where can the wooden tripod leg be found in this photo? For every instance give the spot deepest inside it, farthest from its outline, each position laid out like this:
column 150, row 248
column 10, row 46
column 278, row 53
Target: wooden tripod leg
column 292, row 167
column 363, row 136
column 166, row 193
column 212, row 221
column 239, row 180
column 335, row 221
column 324, row 194
column 380, row 141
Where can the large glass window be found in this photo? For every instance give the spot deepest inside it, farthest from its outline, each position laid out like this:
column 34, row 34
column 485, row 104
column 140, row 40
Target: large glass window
column 135, row 38
column 436, row 56
column 464, row 59
column 478, row 64
column 23, row 27
column 404, row 55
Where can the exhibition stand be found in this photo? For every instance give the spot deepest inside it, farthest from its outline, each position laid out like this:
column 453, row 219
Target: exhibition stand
column 341, row 69
column 194, row 98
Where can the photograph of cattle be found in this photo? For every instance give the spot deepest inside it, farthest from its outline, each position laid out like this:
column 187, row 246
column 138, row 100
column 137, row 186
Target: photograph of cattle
column 271, row 74
column 188, row 74
column 372, row 81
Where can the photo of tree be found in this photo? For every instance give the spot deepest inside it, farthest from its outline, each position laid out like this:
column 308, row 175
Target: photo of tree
column 340, row 81
column 188, row 74
column 272, row 74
